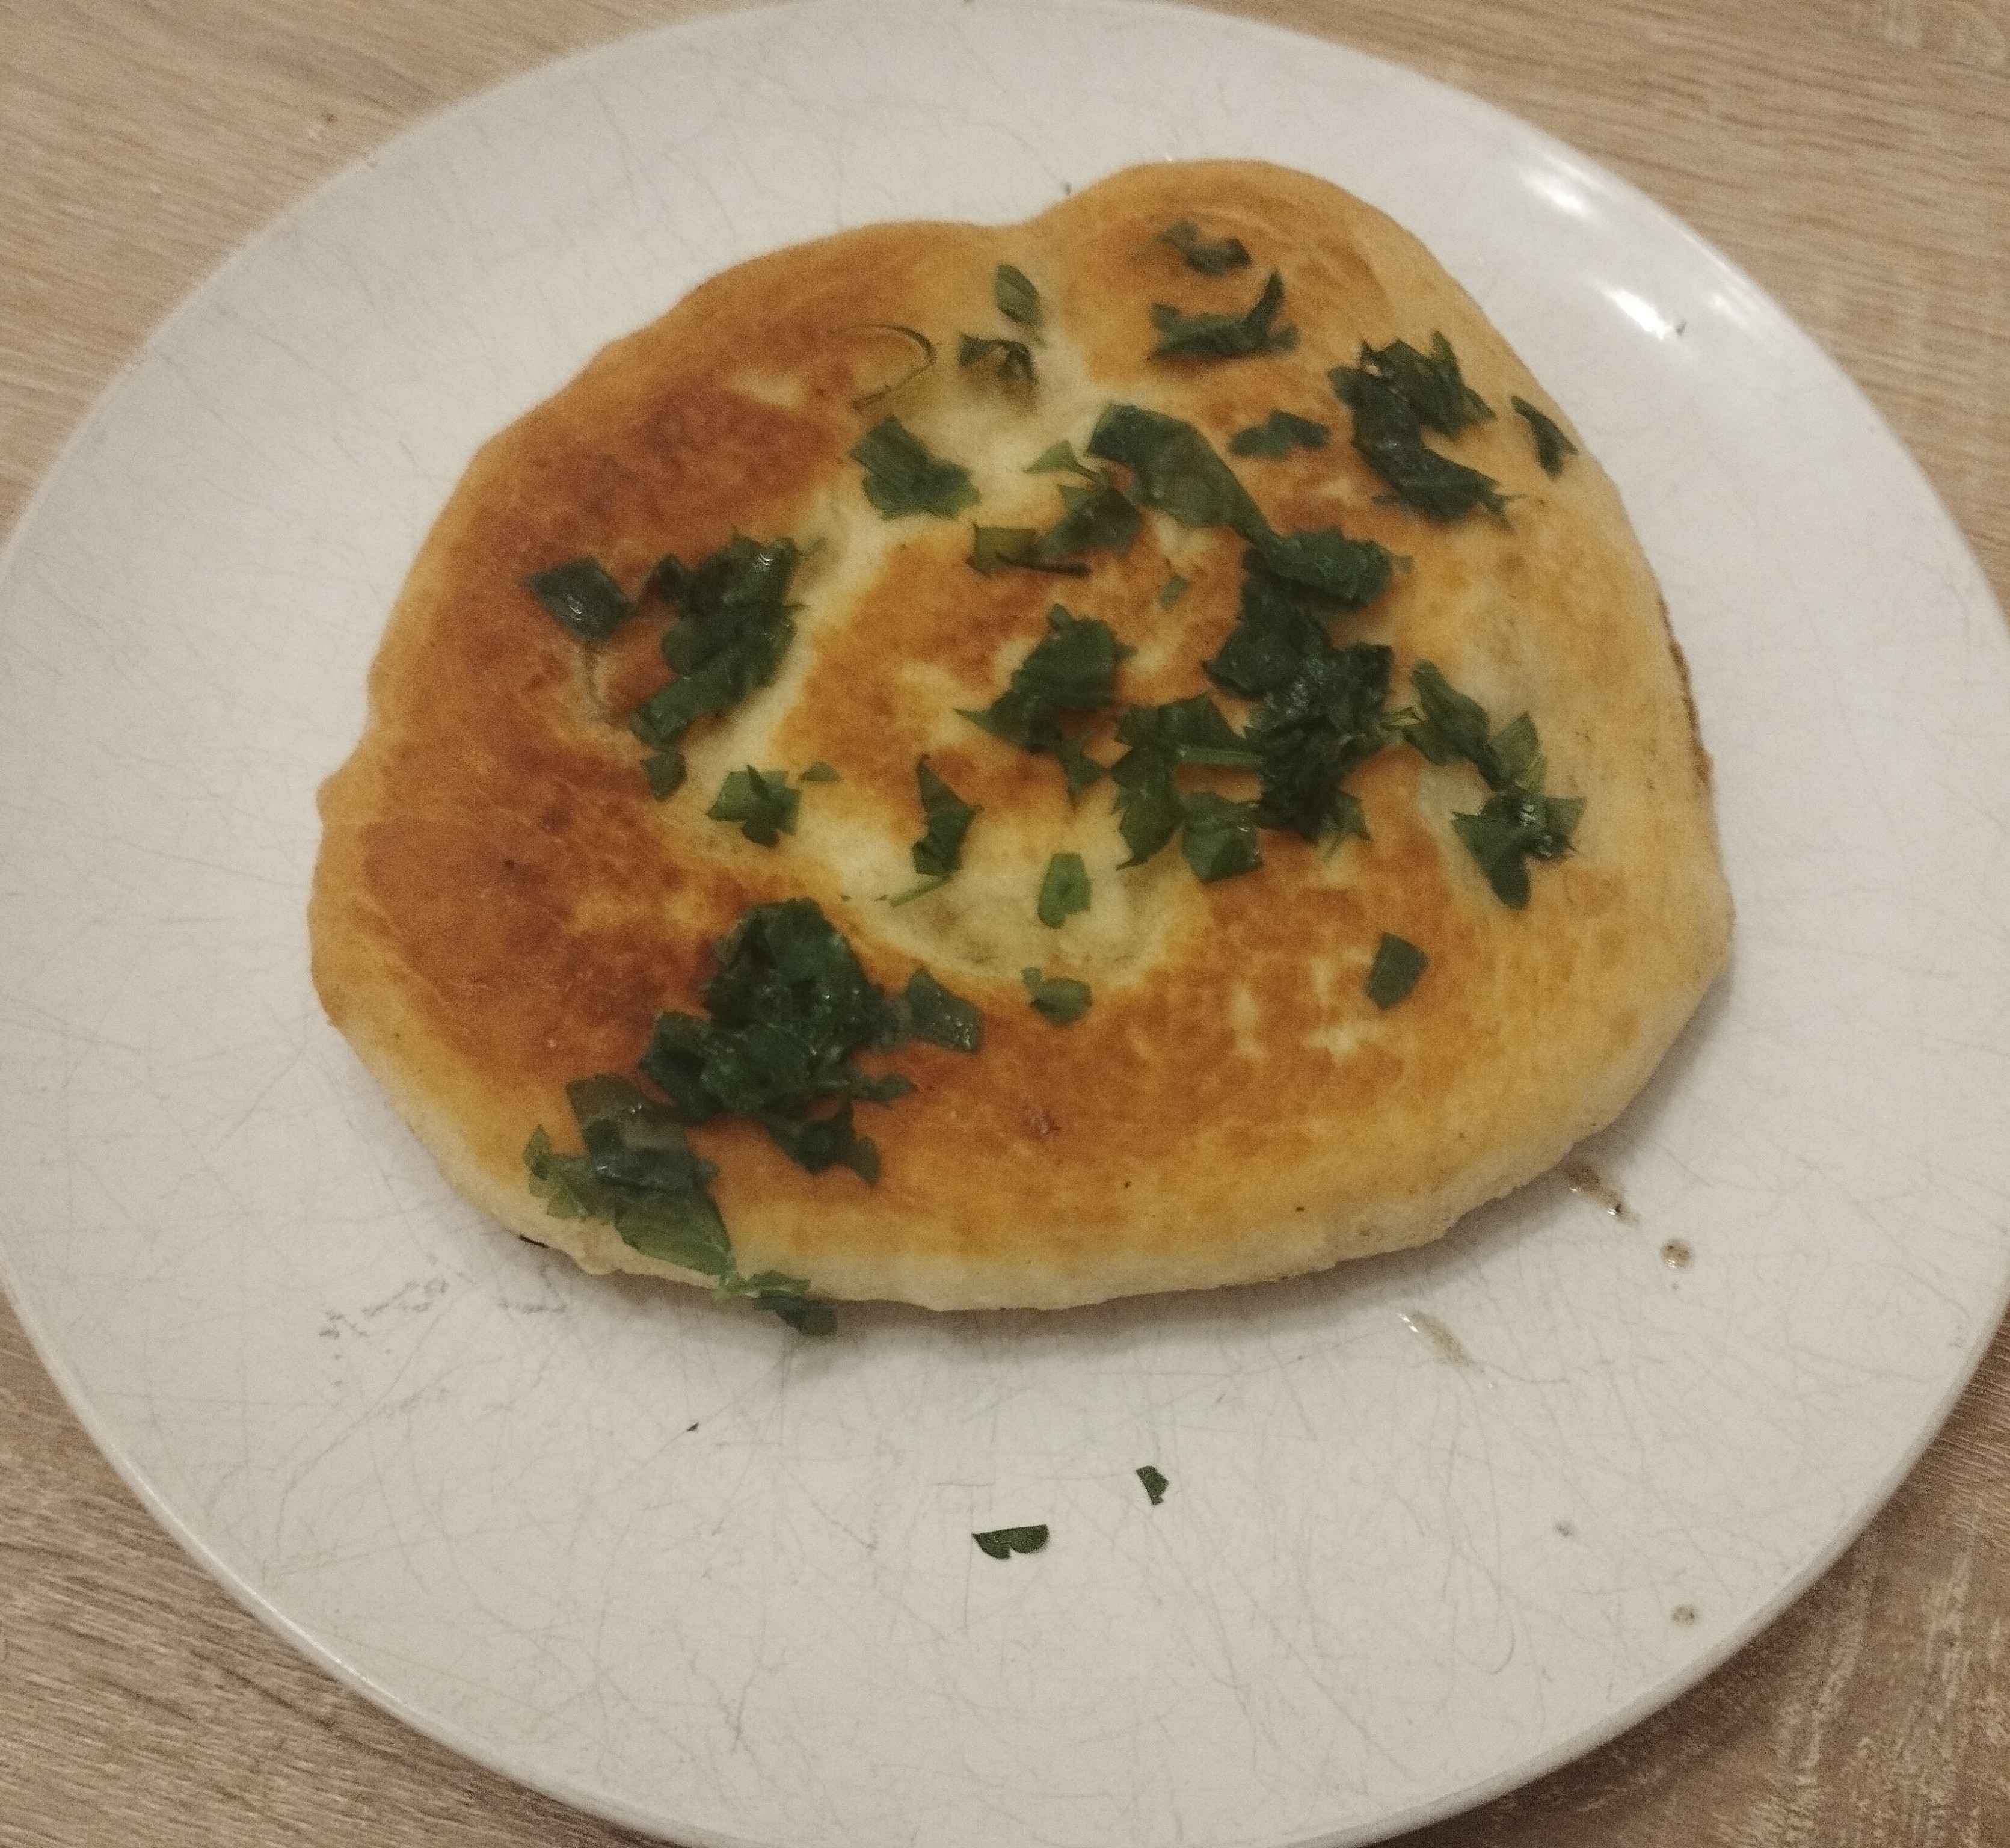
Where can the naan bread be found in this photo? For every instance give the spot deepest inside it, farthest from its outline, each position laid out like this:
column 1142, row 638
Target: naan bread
column 499, row 907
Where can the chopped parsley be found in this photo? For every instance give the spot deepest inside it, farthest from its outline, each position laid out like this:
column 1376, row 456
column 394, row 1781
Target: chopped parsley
column 1072, row 668
column 1388, row 435
column 1312, row 729
column 733, row 627
column 1551, row 444
column 1155, row 1482
column 664, row 771
column 1001, row 1543
column 1017, row 300
column 1211, row 257
column 1225, row 337
column 1175, row 469
column 1278, row 435
column 1014, row 358
column 1059, row 999
column 1059, row 458
column 1398, row 963
column 934, row 1013
column 1172, row 590
column 585, row 597
column 1280, row 620
column 1221, row 837
column 1431, row 384
column 638, row 1173
column 1063, row 890
column 1150, row 809
column 760, row 801
column 1518, row 821
column 939, row 851
column 903, row 475
column 922, row 343
column 992, row 549
column 1097, row 518
column 789, row 1007
column 819, row 771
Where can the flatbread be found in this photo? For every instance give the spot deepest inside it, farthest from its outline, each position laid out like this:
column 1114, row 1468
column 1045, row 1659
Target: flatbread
column 500, row 908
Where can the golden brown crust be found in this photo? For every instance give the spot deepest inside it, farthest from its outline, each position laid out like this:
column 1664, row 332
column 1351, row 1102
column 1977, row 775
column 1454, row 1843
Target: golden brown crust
column 498, row 908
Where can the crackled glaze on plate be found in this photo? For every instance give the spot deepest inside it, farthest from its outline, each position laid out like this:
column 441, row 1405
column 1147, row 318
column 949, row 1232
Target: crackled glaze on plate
column 1435, row 1521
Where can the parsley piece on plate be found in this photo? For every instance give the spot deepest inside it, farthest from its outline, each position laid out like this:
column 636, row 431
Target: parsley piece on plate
column 1211, row 257
column 584, row 598
column 903, row 475
column 1060, row 999
column 1431, row 384
column 1150, row 809
column 1220, row 836
column 1278, row 435
column 1001, row 1543
column 1225, row 337
column 1155, row 1482
column 1388, row 435
column 939, row 851
column 760, row 801
column 1063, row 889
column 1176, row 469
column 1551, row 444
column 1398, row 963
column 1072, row 668
column 1312, row 729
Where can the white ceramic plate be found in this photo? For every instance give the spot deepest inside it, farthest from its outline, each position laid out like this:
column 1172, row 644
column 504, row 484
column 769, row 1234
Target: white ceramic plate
column 678, row 1567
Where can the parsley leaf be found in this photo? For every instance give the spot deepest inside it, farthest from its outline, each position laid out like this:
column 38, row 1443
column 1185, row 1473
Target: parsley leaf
column 664, row 773
column 1518, row 820
column 819, row 771
column 1172, row 590
column 1388, row 435
column 940, row 1018
column 1101, row 518
column 1225, row 337
column 1063, row 890
column 1001, row 1543
column 903, row 475
column 994, row 548
column 1431, row 385
column 926, row 346
column 1278, row 435
column 939, row 851
column 1017, row 300
column 1149, row 805
column 1059, row 999
column 1221, row 837
column 1073, row 669
column 1155, row 1482
column 1315, row 727
column 760, row 801
column 1176, row 469
column 789, row 1006
column 584, row 598
column 1282, row 619
column 1211, row 256
column 1059, row 458
column 1014, row 358
column 1398, row 963
column 1551, row 444
column 732, row 631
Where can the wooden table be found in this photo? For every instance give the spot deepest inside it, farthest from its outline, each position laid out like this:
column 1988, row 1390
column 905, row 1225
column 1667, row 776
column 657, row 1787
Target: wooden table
column 1855, row 156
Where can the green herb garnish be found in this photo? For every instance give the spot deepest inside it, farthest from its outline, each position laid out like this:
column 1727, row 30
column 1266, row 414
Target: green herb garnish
column 926, row 347
column 1388, row 435
column 1517, row 821
column 732, row 628
column 789, row 1006
column 1001, row 1543
column 939, row 851
column 1155, row 1482
column 1281, row 620
column 1211, row 256
column 584, row 598
column 639, row 1174
column 1431, row 384
column 1059, row 458
column 1073, row 669
column 664, row 771
column 761, row 802
column 1172, row 590
column 1314, row 728
column 1398, row 963
column 1063, row 890
column 992, row 549
column 1017, row 300
column 1278, row 435
column 1149, row 808
column 1176, row 469
column 920, row 888
column 1219, row 839
column 1101, row 518
column 1014, row 358
column 940, row 1018
column 903, row 475
column 1225, row 337
column 1060, row 999
column 1551, row 444
column 819, row 771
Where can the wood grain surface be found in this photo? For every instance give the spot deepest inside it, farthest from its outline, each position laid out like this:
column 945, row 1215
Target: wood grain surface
column 1855, row 156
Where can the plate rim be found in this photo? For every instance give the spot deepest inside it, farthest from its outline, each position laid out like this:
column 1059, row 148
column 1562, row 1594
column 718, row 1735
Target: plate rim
column 724, row 15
